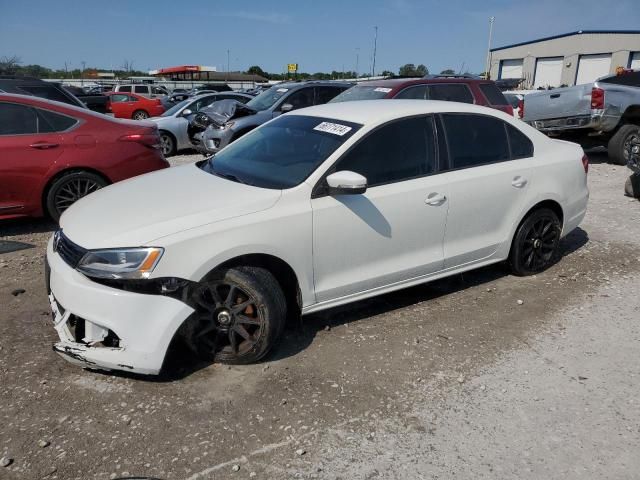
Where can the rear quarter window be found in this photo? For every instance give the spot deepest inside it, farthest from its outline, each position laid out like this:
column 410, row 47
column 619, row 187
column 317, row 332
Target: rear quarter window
column 493, row 94
column 54, row 122
column 450, row 93
column 521, row 145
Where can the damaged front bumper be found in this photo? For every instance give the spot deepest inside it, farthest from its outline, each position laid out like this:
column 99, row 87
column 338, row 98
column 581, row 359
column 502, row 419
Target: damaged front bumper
column 109, row 329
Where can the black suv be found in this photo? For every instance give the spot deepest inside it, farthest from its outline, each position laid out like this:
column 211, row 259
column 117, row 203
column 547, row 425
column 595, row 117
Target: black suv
column 37, row 88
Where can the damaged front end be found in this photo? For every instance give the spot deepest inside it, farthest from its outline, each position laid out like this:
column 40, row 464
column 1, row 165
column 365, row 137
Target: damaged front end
column 217, row 115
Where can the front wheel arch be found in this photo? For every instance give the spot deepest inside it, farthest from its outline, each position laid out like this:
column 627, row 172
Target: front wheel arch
column 62, row 173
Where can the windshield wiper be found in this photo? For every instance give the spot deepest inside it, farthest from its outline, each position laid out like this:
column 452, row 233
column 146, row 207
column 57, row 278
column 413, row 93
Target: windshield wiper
column 230, row 176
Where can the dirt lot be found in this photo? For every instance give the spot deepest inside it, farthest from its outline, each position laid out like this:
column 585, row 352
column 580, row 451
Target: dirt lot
column 451, row 379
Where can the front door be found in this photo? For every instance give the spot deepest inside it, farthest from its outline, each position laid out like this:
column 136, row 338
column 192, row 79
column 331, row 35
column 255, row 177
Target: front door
column 394, row 231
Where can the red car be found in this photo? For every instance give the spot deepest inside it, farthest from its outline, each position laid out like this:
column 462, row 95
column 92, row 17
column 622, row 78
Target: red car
column 450, row 88
column 52, row 154
column 132, row 105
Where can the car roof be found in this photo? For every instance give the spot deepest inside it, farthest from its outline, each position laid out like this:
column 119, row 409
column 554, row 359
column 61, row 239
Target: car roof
column 306, row 83
column 44, row 103
column 372, row 112
column 403, row 82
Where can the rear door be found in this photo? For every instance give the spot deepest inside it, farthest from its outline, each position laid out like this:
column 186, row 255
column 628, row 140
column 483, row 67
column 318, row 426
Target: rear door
column 29, row 146
column 488, row 178
column 325, row 93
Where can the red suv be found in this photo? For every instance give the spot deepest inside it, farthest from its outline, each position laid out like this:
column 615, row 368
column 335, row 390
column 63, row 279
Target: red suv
column 463, row 88
column 52, row 154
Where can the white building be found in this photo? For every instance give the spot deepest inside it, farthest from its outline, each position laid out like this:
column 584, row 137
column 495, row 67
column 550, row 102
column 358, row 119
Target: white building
column 567, row 59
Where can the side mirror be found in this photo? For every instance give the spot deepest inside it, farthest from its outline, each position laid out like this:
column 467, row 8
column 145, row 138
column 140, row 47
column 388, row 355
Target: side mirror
column 186, row 112
column 286, row 107
column 346, row 182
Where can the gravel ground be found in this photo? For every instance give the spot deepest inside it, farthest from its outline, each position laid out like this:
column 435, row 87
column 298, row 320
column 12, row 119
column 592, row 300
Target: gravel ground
column 454, row 379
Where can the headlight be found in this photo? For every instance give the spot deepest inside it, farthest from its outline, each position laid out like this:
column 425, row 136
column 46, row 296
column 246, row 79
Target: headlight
column 120, row 263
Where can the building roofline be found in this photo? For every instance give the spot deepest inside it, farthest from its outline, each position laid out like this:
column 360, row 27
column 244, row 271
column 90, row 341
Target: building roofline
column 570, row 34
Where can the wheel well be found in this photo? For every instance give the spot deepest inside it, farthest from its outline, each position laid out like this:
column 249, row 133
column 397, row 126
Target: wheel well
column 551, row 205
column 139, row 110
column 161, row 131
column 631, row 115
column 45, row 190
column 280, row 269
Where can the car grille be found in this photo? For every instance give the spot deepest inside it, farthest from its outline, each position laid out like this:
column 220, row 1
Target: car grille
column 68, row 251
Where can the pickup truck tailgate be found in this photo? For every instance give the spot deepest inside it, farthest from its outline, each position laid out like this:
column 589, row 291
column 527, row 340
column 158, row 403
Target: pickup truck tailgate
column 558, row 103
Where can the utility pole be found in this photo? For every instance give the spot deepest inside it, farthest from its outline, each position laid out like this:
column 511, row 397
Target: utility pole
column 84, row 64
column 357, row 60
column 375, row 46
column 487, row 74
column 228, row 63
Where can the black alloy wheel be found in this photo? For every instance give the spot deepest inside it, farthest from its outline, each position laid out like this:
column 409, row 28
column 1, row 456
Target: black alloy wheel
column 535, row 244
column 240, row 315
column 70, row 188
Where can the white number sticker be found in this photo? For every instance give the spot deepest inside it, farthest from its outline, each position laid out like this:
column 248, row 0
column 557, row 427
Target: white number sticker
column 334, row 128
column 282, row 90
column 382, row 89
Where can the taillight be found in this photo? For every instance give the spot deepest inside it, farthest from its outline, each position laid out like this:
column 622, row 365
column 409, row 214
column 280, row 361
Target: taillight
column 597, row 99
column 151, row 140
column 521, row 108
column 585, row 163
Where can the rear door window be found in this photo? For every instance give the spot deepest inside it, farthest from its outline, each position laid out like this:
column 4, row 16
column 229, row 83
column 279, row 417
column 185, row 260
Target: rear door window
column 142, row 89
column 17, row 119
column 521, row 145
column 119, row 97
column 493, row 94
column 125, row 88
column 54, row 122
column 474, row 140
column 450, row 93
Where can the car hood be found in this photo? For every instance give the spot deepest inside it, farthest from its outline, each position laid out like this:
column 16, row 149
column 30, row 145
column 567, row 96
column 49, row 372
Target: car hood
column 138, row 211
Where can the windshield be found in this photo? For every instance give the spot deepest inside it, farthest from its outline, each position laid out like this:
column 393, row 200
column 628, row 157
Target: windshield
column 267, row 98
column 282, row 153
column 173, row 110
column 361, row 92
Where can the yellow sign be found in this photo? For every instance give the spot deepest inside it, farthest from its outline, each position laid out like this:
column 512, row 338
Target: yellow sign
column 292, row 67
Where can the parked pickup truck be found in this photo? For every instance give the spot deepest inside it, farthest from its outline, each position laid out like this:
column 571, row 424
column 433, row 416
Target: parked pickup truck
column 94, row 101
column 603, row 113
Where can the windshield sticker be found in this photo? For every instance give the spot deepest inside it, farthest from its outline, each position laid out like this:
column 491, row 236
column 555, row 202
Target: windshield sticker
column 334, row 128
column 282, row 90
column 382, row 89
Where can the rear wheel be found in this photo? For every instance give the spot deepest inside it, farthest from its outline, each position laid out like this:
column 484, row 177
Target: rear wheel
column 168, row 144
column 620, row 143
column 240, row 315
column 70, row 188
column 140, row 115
column 535, row 245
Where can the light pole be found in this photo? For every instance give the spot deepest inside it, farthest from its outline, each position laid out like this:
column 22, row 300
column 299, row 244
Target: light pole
column 357, row 61
column 84, row 64
column 228, row 63
column 375, row 46
column 487, row 70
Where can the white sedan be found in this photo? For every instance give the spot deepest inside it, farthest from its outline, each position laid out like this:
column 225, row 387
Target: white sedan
column 317, row 208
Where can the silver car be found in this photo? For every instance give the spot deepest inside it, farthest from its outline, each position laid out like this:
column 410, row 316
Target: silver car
column 174, row 122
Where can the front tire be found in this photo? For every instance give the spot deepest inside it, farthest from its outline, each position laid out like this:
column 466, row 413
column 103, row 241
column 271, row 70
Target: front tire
column 240, row 314
column 619, row 144
column 535, row 244
column 70, row 188
column 140, row 115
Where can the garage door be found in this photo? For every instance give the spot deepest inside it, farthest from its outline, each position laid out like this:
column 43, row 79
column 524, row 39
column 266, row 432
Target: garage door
column 510, row 69
column 591, row 67
column 634, row 61
column 548, row 72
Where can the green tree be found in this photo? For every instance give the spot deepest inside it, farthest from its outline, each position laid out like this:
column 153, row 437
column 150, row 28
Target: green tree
column 9, row 65
column 448, row 71
column 407, row 70
column 387, row 73
column 256, row 70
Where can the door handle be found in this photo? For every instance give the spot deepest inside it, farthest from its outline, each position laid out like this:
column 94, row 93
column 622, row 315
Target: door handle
column 555, row 95
column 435, row 199
column 44, row 145
column 519, row 182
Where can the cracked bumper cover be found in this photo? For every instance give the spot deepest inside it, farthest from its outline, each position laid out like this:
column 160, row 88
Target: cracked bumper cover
column 145, row 324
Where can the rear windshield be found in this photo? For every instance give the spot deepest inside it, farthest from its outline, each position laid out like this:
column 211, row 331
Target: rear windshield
column 282, row 153
column 361, row 92
column 493, row 94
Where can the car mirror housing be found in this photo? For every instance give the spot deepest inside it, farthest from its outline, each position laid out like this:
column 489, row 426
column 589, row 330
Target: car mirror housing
column 186, row 112
column 286, row 107
column 346, row 182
